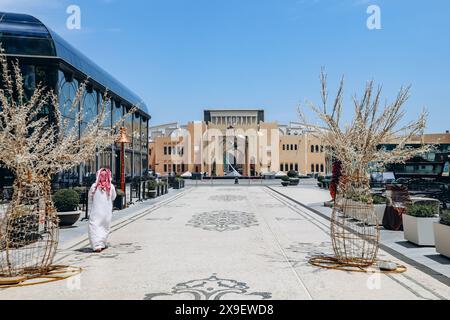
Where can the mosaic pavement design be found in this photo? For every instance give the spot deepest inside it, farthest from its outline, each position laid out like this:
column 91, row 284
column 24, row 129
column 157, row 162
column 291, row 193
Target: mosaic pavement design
column 223, row 220
column 227, row 197
column 212, row 288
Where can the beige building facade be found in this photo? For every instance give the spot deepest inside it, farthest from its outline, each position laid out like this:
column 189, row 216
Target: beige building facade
column 236, row 142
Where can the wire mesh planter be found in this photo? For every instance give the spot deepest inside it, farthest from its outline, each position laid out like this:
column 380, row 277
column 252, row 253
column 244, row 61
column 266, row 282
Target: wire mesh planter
column 355, row 243
column 29, row 232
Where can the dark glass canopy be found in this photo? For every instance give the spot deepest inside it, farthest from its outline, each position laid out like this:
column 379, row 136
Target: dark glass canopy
column 24, row 35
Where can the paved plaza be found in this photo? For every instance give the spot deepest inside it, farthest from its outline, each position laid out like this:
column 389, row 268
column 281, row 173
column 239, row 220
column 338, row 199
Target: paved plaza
column 222, row 242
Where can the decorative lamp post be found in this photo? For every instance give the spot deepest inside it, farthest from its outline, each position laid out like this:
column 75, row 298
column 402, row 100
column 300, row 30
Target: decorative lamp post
column 122, row 139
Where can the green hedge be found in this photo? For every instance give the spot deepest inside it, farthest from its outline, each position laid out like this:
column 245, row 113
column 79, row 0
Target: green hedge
column 445, row 217
column 423, row 210
column 377, row 199
column 152, row 185
column 292, row 174
column 66, row 200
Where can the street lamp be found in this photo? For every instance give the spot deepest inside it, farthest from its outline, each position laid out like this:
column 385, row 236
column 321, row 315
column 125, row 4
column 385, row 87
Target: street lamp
column 122, row 139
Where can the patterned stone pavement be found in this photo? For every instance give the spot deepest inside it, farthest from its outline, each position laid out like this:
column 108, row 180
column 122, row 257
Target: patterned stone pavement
column 222, row 242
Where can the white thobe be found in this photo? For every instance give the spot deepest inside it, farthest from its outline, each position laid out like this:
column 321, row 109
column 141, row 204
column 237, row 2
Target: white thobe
column 100, row 215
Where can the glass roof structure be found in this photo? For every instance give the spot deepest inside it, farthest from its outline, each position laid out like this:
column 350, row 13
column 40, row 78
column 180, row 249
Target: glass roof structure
column 24, row 35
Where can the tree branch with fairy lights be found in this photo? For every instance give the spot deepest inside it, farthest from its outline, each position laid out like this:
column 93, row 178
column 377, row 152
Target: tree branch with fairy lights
column 357, row 147
column 36, row 142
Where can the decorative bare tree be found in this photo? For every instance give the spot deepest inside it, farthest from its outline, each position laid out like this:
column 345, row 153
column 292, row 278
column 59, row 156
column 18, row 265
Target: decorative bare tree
column 357, row 146
column 36, row 142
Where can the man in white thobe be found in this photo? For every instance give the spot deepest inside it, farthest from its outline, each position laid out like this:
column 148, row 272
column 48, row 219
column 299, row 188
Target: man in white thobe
column 101, row 197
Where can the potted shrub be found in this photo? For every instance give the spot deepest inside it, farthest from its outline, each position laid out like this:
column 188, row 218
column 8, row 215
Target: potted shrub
column 176, row 183
column 161, row 189
column 285, row 181
column 326, row 182
column 158, row 189
column 357, row 202
column 151, row 187
column 379, row 204
column 350, row 201
column 418, row 222
column 442, row 234
column 66, row 203
column 119, row 202
column 293, row 178
column 320, row 181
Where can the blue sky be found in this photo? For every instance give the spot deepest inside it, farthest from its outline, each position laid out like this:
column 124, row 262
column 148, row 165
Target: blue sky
column 182, row 56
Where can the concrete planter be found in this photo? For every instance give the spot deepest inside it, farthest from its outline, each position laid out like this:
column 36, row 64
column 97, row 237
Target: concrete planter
column 360, row 213
column 178, row 184
column 68, row 218
column 294, row 181
column 119, row 202
column 285, row 183
column 419, row 230
column 379, row 212
column 377, row 218
column 351, row 210
column 151, row 194
column 442, row 238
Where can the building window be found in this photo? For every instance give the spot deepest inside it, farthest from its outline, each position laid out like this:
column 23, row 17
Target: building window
column 312, row 168
column 281, row 167
column 174, row 168
column 284, row 147
column 296, row 147
column 286, row 167
column 296, row 167
column 317, row 168
column 165, row 150
column 137, row 164
column 165, row 168
column 321, row 148
column 128, row 164
column 144, row 136
column 169, row 150
column 321, row 168
column 312, row 148
column 317, row 148
column 291, row 167
column 292, row 147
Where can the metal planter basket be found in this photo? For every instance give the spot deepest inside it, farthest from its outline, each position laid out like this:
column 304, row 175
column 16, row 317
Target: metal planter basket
column 29, row 233
column 355, row 243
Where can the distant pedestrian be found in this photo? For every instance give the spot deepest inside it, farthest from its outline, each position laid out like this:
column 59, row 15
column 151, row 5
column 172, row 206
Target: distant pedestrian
column 101, row 197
